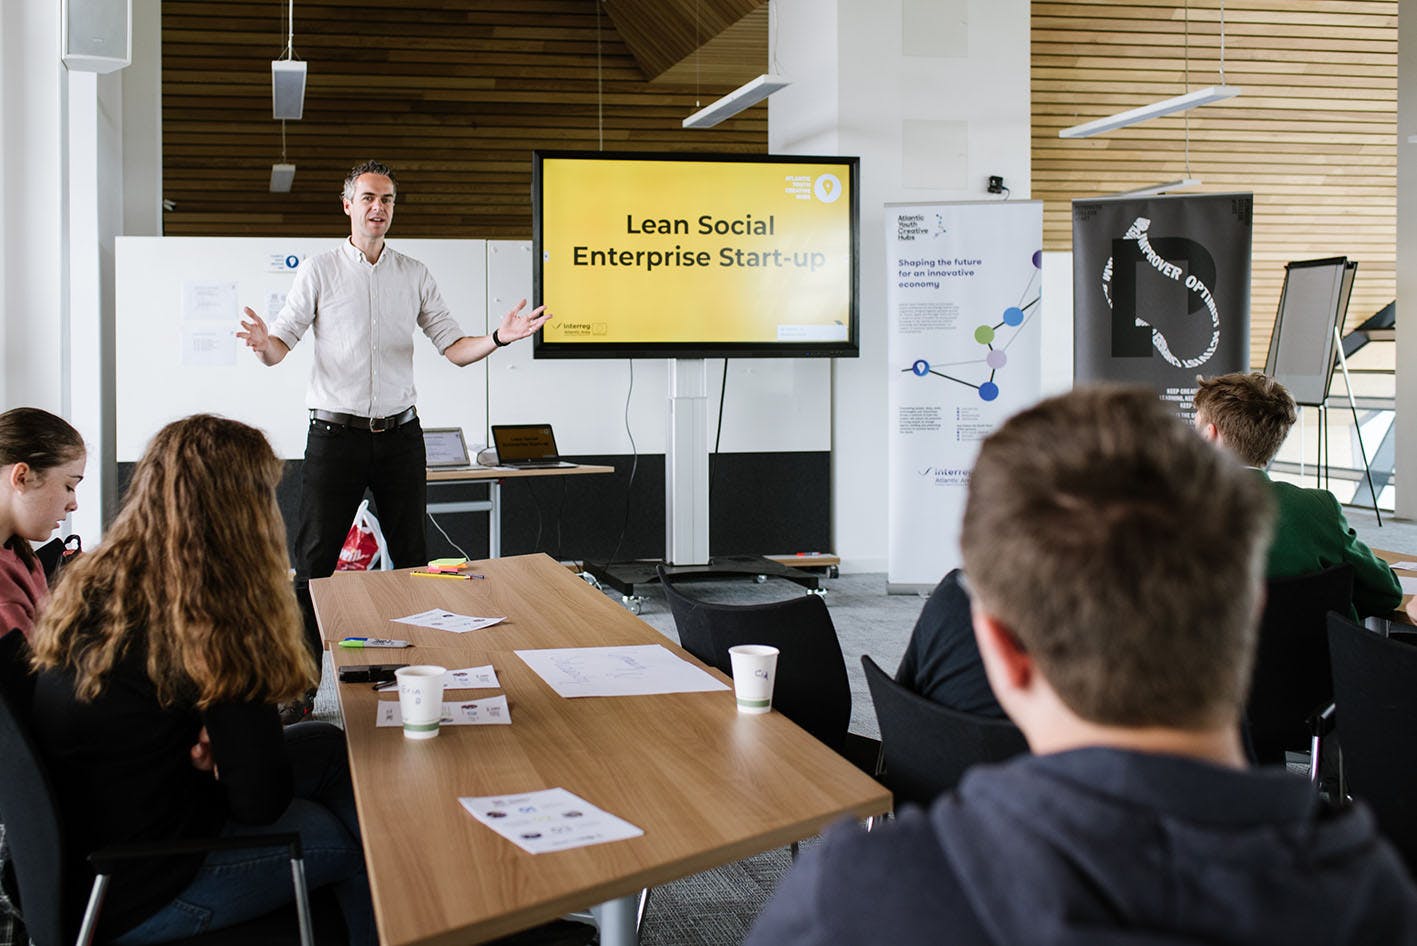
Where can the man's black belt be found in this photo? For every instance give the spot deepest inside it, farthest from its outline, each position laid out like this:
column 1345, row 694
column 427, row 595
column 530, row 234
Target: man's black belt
column 375, row 424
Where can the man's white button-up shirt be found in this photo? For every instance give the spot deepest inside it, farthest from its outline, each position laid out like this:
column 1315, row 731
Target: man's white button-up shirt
column 363, row 316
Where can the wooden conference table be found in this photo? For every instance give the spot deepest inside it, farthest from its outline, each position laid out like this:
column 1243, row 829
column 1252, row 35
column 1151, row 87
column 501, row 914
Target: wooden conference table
column 1400, row 615
column 492, row 505
column 706, row 785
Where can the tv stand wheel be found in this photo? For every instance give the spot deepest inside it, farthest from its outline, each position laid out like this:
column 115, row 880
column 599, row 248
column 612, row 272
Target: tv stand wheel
column 633, row 603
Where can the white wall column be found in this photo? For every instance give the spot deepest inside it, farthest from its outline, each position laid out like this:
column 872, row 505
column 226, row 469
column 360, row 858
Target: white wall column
column 95, row 213
column 61, row 156
column 933, row 95
column 31, row 241
column 142, row 124
column 1406, row 419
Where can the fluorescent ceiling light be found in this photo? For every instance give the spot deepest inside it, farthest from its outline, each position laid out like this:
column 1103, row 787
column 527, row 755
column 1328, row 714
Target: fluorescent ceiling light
column 1160, row 188
column 1214, row 93
column 282, row 176
column 734, row 102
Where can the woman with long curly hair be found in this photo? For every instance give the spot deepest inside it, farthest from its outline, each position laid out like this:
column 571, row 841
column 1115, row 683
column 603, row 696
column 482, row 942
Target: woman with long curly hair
column 161, row 658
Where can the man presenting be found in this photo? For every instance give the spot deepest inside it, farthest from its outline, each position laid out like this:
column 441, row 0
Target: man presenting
column 363, row 301
column 1116, row 564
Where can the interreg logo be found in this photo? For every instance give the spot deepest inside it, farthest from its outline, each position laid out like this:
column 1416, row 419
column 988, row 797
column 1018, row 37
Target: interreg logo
column 944, row 475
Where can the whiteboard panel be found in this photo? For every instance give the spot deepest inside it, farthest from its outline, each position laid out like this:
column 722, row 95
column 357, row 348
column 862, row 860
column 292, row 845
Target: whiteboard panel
column 1301, row 345
column 773, row 404
column 162, row 279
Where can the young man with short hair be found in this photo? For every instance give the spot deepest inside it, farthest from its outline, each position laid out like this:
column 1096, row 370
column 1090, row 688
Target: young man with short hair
column 1250, row 415
column 1116, row 564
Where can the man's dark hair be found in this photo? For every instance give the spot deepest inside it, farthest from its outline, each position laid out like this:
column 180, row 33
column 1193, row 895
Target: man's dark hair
column 368, row 167
column 1124, row 553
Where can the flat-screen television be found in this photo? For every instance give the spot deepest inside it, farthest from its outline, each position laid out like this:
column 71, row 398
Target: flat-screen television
column 695, row 256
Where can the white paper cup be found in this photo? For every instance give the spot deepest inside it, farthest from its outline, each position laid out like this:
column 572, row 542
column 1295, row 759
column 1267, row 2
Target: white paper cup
column 754, row 670
column 420, row 699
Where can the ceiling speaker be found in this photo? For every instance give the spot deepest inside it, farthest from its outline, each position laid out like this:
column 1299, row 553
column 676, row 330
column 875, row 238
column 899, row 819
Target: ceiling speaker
column 98, row 34
column 287, row 89
column 282, row 176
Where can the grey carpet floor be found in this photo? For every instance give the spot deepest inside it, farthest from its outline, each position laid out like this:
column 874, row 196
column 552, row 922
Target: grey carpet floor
column 717, row 907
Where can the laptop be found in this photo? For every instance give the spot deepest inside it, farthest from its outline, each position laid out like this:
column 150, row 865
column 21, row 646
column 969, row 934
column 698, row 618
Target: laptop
column 446, row 448
column 527, row 447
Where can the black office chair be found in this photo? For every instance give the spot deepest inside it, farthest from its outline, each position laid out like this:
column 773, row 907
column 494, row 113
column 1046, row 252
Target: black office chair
column 925, row 747
column 811, row 688
column 34, row 834
column 1377, row 703
column 1291, row 681
column 689, row 621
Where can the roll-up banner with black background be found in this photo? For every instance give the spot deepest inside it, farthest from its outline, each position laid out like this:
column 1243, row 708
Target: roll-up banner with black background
column 1161, row 290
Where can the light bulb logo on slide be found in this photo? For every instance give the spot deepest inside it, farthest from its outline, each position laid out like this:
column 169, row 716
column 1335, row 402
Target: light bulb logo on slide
column 827, row 187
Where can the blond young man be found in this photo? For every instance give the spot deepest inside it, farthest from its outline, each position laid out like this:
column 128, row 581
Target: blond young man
column 1250, row 415
column 1116, row 563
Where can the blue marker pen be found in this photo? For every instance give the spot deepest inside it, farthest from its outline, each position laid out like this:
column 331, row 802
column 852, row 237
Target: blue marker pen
column 372, row 642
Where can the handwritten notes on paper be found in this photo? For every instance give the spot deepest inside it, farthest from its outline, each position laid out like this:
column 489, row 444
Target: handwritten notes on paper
column 473, row 678
column 210, row 301
column 638, row 670
column 550, row 820
column 492, row 711
column 448, row 621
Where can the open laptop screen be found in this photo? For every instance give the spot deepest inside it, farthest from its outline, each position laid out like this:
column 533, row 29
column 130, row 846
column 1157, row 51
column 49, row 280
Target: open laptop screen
column 520, row 443
column 445, row 448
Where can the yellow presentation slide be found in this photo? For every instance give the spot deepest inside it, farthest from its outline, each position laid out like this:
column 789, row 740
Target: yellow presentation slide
column 688, row 251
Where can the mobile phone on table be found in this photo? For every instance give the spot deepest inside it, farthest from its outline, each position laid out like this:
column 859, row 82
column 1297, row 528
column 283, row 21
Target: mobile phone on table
column 369, row 673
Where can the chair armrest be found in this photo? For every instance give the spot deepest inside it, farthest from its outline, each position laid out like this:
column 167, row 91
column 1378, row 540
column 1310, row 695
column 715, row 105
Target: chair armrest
column 105, row 860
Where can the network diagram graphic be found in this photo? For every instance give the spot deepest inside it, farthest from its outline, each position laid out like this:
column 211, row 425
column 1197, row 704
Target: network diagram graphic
column 995, row 357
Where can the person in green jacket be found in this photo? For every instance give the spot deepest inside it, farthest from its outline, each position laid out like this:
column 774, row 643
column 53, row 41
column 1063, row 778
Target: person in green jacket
column 1250, row 415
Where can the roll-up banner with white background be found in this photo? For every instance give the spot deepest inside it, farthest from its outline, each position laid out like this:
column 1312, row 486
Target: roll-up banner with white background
column 1161, row 290
column 963, row 299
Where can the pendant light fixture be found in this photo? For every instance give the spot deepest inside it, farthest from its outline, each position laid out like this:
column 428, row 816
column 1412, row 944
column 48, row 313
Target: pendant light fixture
column 745, row 96
column 1179, row 103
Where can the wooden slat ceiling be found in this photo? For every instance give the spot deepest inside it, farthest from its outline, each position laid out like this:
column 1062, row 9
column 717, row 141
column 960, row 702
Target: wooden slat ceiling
column 1314, row 134
column 455, row 94
column 737, row 54
column 662, row 34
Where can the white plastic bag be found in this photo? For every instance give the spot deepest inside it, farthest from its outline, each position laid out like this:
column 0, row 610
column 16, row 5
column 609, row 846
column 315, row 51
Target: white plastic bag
column 364, row 547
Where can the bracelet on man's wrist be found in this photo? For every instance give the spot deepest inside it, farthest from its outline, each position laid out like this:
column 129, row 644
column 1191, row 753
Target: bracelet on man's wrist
column 498, row 341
